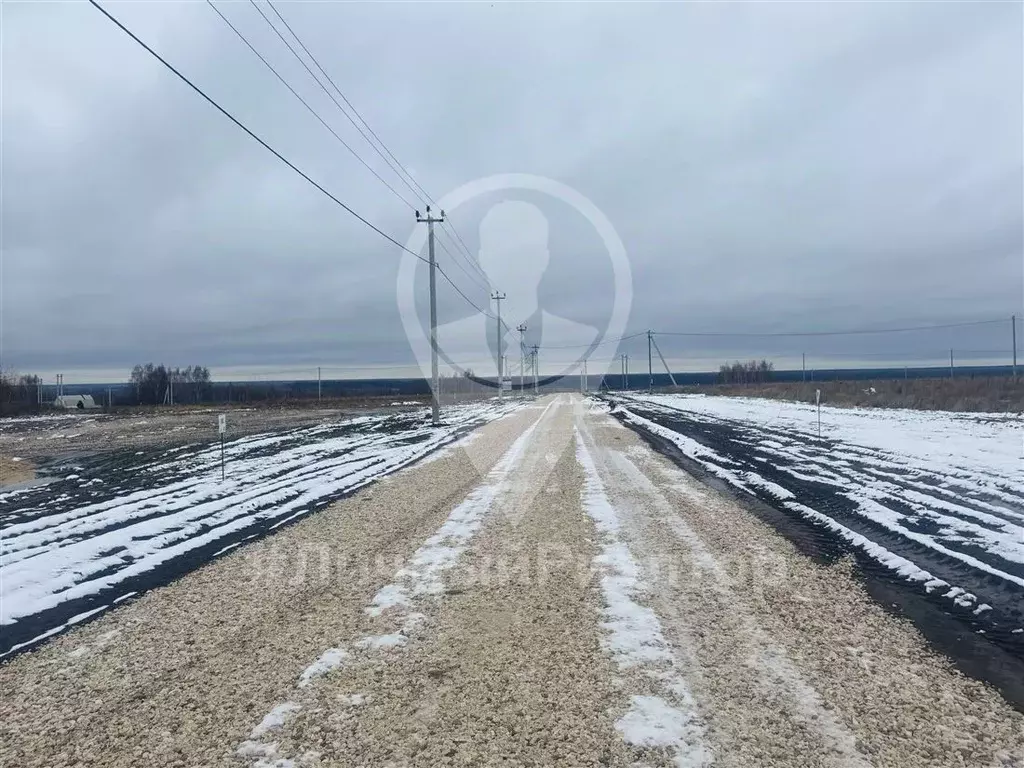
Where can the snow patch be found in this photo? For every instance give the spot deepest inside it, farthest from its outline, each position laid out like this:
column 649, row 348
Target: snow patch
column 329, row 660
column 634, row 637
column 275, row 718
column 653, row 722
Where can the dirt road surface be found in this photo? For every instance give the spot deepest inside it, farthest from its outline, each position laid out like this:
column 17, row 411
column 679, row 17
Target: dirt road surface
column 551, row 593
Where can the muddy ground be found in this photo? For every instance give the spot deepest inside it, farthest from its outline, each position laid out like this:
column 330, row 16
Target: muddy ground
column 63, row 435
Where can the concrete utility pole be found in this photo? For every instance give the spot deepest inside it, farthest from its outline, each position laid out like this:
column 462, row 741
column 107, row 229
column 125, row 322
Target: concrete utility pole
column 435, row 406
column 318, row 383
column 584, row 383
column 951, row 363
column 1013, row 325
column 803, row 366
column 536, row 368
column 498, row 298
column 650, row 364
column 522, row 357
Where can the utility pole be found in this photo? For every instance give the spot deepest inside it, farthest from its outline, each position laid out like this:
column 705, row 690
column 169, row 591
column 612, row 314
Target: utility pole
column 650, row 364
column 522, row 357
column 435, row 406
column 951, row 363
column 536, row 368
column 498, row 298
column 585, row 381
column 803, row 366
column 318, row 383
column 108, row 398
column 1013, row 324
column 625, row 372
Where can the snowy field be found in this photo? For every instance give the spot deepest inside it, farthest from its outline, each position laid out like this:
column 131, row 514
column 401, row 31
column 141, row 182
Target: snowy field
column 106, row 528
column 934, row 498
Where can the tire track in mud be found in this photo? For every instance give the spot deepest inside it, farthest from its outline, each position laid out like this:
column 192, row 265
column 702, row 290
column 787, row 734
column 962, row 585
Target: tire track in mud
column 790, row 662
column 973, row 616
column 107, row 529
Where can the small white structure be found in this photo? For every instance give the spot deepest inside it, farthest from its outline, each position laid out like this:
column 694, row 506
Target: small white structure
column 80, row 402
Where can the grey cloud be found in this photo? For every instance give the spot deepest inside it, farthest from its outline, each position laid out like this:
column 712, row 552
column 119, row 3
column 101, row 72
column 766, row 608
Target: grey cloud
column 768, row 166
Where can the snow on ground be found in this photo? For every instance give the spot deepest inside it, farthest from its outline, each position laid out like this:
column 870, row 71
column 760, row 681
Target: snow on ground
column 634, row 637
column 421, row 578
column 930, row 495
column 102, row 529
column 989, row 444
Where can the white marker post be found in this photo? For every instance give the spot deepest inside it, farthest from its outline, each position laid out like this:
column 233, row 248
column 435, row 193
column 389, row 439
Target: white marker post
column 817, row 400
column 222, row 427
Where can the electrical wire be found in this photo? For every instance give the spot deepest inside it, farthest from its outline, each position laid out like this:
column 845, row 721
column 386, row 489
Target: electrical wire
column 277, row 154
column 307, row 106
column 397, row 165
column 829, row 333
column 345, row 144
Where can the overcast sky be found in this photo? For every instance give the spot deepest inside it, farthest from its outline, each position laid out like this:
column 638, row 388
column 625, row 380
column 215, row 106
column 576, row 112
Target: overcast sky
column 768, row 167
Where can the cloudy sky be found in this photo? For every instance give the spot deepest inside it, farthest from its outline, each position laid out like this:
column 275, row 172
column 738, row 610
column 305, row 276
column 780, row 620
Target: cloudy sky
column 769, row 167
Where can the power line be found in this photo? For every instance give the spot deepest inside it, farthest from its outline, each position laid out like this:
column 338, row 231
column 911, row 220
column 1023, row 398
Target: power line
column 470, row 275
column 304, row 103
column 275, row 153
column 598, row 344
column 830, row 333
column 396, row 165
column 312, row 111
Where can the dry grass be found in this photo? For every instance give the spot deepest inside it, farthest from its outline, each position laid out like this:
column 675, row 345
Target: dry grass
column 15, row 470
column 991, row 394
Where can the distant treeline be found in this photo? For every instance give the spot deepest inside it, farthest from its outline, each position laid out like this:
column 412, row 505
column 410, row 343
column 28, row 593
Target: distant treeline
column 19, row 394
column 753, row 372
column 155, row 384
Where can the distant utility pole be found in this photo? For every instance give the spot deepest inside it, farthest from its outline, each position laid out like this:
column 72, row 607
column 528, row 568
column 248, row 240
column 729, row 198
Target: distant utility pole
column 951, row 363
column 803, row 366
column 1013, row 325
column 108, row 398
column 536, row 368
column 498, row 298
column 625, row 372
column 435, row 406
column 584, row 383
column 650, row 364
column 318, row 383
column 522, row 357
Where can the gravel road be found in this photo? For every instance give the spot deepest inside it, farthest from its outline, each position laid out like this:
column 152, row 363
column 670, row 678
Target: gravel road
column 552, row 592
